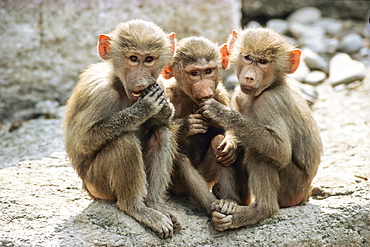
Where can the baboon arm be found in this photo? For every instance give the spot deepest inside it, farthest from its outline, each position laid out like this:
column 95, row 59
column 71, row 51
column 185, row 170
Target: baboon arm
column 265, row 140
column 111, row 127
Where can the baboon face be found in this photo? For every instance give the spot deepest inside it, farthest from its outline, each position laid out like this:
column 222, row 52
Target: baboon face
column 137, row 51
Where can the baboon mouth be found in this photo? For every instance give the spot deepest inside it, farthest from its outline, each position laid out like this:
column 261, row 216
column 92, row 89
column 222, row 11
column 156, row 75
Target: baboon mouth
column 136, row 94
column 248, row 87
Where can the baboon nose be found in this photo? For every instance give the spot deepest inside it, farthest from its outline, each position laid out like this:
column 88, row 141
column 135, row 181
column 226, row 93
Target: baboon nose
column 249, row 76
column 207, row 96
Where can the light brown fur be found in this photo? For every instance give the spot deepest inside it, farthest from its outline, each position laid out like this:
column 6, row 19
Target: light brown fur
column 196, row 69
column 120, row 144
column 274, row 125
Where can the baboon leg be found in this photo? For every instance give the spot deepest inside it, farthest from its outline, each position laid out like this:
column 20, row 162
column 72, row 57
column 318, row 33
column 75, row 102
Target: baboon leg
column 264, row 182
column 158, row 159
column 194, row 183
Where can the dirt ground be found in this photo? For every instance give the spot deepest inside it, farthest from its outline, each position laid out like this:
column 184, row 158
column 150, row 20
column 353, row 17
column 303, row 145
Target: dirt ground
column 42, row 204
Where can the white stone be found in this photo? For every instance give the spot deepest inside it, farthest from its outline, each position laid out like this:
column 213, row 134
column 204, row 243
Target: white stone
column 351, row 43
column 314, row 77
column 316, row 44
column 343, row 69
column 280, row 26
column 331, row 26
column 307, row 15
column 313, row 60
column 331, row 45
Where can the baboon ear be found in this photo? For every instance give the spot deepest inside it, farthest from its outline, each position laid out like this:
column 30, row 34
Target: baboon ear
column 295, row 56
column 232, row 37
column 104, row 46
column 224, row 56
column 172, row 38
column 167, row 72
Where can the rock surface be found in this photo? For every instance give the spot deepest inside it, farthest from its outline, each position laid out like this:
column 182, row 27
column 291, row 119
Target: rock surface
column 42, row 203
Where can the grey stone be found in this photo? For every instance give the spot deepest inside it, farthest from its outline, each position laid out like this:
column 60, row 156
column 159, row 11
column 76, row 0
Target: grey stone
column 314, row 77
column 343, row 69
column 314, row 60
column 231, row 81
column 306, row 15
column 351, row 43
column 333, row 9
column 280, row 26
column 331, row 45
column 331, row 26
column 253, row 24
column 315, row 44
column 303, row 30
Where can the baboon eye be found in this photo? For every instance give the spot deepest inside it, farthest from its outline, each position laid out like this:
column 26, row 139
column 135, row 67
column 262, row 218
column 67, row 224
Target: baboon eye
column 249, row 58
column 149, row 59
column 208, row 71
column 263, row 61
column 133, row 58
column 194, row 73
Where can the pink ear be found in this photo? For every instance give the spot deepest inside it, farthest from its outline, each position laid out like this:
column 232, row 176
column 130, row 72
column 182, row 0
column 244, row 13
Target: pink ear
column 104, row 46
column 233, row 36
column 224, row 56
column 295, row 56
column 172, row 38
column 167, row 72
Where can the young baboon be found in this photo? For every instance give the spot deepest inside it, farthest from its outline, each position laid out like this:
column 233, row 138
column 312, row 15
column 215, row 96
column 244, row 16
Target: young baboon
column 274, row 125
column 117, row 132
column 203, row 146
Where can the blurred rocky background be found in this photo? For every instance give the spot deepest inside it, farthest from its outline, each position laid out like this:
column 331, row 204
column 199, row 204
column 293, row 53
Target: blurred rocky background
column 45, row 44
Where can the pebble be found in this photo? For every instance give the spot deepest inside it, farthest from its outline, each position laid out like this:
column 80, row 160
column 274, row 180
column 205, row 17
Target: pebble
column 351, row 43
column 307, row 15
column 314, row 60
column 331, row 26
column 231, row 81
column 343, row 69
column 278, row 25
column 300, row 30
column 314, row 78
column 315, row 44
column 331, row 45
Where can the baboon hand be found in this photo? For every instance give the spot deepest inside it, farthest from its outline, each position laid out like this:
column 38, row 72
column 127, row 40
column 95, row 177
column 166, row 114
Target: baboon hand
column 151, row 101
column 197, row 124
column 224, row 206
column 221, row 222
column 212, row 110
column 167, row 110
column 227, row 151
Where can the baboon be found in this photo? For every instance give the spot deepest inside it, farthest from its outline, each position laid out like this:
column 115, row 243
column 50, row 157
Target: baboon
column 117, row 131
column 274, row 125
column 203, row 146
